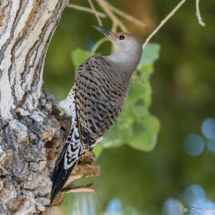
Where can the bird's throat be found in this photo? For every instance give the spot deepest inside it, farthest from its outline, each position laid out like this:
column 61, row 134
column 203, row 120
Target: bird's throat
column 124, row 64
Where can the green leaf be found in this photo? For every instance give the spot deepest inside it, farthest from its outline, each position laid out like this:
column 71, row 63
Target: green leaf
column 141, row 111
column 144, row 70
column 145, row 132
column 136, row 92
column 139, row 92
column 97, row 149
column 130, row 211
column 119, row 132
column 150, row 53
column 79, row 56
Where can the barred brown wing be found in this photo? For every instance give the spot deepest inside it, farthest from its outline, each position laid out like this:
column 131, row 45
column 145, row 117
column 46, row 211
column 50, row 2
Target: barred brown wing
column 99, row 95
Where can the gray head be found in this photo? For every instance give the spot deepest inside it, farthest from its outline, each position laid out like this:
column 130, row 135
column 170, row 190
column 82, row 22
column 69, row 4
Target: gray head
column 128, row 51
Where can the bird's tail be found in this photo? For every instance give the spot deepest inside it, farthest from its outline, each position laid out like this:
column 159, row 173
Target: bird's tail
column 66, row 161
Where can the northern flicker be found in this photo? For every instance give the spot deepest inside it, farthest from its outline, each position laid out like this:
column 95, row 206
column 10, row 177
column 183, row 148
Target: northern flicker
column 96, row 100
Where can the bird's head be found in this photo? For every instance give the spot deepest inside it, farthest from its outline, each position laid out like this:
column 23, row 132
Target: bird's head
column 123, row 42
column 128, row 51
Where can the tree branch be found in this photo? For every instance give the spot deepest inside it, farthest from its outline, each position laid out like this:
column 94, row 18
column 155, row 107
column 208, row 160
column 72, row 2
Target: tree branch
column 198, row 14
column 115, row 20
column 85, row 9
column 126, row 16
column 163, row 22
column 95, row 12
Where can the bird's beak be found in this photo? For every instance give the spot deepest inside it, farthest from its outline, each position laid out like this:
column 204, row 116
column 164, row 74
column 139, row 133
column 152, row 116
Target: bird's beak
column 107, row 33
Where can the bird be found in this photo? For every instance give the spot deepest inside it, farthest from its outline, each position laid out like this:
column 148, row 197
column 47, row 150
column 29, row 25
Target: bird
column 95, row 101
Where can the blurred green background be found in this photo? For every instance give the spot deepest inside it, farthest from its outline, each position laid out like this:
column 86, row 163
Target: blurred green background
column 180, row 166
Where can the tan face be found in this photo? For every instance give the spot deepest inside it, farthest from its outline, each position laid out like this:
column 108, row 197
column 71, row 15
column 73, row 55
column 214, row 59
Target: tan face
column 123, row 42
column 121, row 36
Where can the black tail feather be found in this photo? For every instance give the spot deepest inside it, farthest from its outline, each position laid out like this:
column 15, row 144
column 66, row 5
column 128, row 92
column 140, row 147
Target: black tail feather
column 60, row 175
column 59, row 165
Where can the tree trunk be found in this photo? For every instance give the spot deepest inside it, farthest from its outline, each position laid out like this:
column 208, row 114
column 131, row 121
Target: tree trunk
column 31, row 131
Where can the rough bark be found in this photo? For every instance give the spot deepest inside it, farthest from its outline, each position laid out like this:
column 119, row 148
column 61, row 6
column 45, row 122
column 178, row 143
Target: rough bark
column 31, row 131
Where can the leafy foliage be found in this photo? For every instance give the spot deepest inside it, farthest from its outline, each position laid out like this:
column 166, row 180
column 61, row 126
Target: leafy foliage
column 135, row 125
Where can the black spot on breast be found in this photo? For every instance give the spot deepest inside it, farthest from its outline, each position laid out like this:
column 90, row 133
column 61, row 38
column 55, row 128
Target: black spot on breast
column 93, row 129
column 107, row 91
column 113, row 92
column 102, row 105
column 110, row 111
column 94, row 96
column 107, row 63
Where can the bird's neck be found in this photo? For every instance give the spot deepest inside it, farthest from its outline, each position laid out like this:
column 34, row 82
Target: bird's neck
column 123, row 63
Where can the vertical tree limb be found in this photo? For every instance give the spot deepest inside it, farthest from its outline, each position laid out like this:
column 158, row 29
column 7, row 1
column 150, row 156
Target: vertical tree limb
column 31, row 132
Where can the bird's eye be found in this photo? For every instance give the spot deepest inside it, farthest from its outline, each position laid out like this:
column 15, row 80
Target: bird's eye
column 121, row 37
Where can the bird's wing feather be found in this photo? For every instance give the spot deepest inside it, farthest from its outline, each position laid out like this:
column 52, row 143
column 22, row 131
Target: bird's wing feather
column 99, row 95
